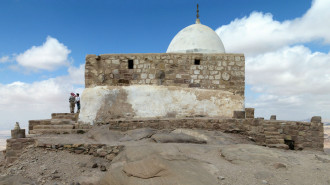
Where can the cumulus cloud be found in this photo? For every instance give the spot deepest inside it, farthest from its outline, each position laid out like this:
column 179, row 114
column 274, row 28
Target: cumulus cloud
column 289, row 71
column 76, row 75
column 294, row 107
column 48, row 56
column 286, row 77
column 293, row 82
column 4, row 59
column 259, row 32
column 39, row 99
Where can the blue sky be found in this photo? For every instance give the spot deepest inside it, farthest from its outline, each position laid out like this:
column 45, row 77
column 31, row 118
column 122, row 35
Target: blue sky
column 272, row 34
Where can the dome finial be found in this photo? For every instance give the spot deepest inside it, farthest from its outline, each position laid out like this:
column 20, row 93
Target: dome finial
column 197, row 16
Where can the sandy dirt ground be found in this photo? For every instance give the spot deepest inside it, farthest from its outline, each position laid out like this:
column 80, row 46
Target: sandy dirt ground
column 150, row 157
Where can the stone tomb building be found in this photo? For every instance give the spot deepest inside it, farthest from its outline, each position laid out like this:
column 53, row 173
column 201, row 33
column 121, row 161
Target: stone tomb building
column 194, row 78
column 194, row 85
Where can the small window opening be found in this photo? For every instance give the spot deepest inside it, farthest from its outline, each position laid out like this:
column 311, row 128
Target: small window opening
column 130, row 64
column 197, row 62
column 290, row 143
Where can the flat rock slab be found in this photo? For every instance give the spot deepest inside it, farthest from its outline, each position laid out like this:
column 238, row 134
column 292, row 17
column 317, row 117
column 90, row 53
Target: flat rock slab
column 149, row 167
column 138, row 134
column 177, row 138
column 146, row 165
column 244, row 154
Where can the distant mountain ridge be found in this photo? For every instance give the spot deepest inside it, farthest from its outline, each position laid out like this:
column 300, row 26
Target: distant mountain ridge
column 326, row 122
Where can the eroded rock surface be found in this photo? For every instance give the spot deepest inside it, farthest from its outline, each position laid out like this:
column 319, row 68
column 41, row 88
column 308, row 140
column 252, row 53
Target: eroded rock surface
column 153, row 165
column 222, row 159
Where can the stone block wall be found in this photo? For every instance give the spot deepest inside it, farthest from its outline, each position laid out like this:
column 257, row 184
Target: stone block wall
column 97, row 150
column 298, row 135
column 15, row 147
column 272, row 133
column 214, row 71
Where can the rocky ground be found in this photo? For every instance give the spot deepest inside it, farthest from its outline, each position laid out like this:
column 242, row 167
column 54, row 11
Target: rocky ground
column 193, row 157
column 327, row 139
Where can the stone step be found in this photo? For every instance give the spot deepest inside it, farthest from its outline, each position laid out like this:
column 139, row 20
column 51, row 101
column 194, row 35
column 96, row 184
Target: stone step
column 61, row 122
column 72, row 116
column 53, row 127
column 33, row 123
column 58, row 131
column 83, row 126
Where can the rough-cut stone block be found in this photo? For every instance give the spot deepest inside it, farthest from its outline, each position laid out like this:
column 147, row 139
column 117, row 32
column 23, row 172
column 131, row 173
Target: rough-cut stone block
column 239, row 114
column 15, row 134
column 273, row 117
column 316, row 119
column 249, row 112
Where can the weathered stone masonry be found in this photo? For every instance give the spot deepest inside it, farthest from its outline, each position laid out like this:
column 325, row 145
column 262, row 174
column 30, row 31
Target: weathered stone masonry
column 272, row 133
column 162, row 85
column 215, row 71
column 15, row 147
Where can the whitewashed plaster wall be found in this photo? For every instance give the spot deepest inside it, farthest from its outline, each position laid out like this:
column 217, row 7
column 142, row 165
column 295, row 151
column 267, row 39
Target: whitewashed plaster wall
column 103, row 103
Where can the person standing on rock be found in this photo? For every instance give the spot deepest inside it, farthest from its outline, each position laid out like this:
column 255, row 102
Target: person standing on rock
column 72, row 101
column 78, row 102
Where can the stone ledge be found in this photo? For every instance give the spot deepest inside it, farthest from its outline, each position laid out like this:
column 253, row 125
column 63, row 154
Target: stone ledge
column 59, row 131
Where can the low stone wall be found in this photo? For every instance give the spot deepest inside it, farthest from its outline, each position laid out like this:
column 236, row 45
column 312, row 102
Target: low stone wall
column 15, row 147
column 272, row 133
column 97, row 150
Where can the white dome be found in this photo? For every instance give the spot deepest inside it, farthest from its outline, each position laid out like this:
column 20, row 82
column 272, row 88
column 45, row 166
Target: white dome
column 196, row 38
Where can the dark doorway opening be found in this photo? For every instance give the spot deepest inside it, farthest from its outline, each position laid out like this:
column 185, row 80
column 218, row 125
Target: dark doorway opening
column 197, row 62
column 290, row 143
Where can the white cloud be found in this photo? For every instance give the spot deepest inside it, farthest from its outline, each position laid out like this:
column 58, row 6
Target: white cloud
column 4, row 59
column 48, row 56
column 26, row 101
column 293, row 82
column 286, row 77
column 298, row 107
column 76, row 75
column 259, row 33
column 289, row 71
